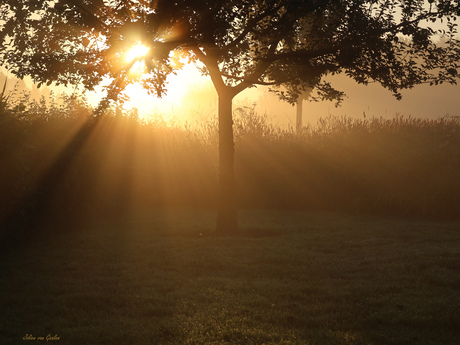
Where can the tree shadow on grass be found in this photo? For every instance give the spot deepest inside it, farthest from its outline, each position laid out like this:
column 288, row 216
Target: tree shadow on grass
column 34, row 210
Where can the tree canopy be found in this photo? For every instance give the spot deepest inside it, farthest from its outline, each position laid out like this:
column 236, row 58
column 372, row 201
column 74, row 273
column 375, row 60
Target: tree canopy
column 289, row 45
column 241, row 43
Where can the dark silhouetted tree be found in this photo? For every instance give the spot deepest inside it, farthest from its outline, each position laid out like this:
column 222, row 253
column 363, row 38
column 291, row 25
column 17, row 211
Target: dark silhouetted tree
column 289, row 45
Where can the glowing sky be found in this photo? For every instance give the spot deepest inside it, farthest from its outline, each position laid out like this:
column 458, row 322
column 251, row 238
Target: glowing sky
column 191, row 96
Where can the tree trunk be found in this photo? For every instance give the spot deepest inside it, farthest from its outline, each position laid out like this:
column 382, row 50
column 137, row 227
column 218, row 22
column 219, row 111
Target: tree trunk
column 299, row 111
column 227, row 221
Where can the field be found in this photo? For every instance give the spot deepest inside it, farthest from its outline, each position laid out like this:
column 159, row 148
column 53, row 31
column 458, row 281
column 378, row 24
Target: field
column 290, row 277
column 349, row 231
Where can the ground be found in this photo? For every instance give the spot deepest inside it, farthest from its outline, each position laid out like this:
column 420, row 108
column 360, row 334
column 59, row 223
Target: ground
column 290, row 277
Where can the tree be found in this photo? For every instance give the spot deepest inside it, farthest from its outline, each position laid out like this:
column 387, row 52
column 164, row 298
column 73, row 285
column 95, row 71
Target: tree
column 289, row 45
column 299, row 110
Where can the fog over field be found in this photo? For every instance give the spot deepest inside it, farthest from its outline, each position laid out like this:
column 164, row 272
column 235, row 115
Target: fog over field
column 373, row 100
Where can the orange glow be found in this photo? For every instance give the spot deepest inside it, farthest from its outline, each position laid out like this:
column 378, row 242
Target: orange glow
column 188, row 79
column 137, row 69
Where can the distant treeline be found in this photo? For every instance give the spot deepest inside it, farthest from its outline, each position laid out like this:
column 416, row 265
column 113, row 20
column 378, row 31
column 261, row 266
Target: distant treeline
column 61, row 164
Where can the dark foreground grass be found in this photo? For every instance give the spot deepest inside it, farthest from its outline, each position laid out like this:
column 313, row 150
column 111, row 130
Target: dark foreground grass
column 290, row 278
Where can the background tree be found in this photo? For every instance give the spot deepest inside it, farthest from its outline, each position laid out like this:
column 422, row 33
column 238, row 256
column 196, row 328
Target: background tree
column 299, row 110
column 289, row 45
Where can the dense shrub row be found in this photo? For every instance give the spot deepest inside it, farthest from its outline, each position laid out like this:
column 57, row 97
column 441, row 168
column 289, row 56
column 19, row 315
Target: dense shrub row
column 58, row 163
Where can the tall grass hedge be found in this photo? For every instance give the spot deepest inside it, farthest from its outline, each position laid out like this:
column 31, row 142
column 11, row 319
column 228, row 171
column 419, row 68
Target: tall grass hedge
column 59, row 164
column 404, row 166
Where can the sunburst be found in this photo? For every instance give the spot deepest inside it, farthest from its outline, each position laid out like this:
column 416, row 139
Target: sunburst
column 134, row 56
column 136, row 52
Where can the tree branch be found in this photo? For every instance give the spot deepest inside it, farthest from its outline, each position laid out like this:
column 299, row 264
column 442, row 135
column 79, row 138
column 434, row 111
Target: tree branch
column 302, row 53
column 213, row 67
column 260, row 69
column 396, row 28
column 258, row 82
column 251, row 24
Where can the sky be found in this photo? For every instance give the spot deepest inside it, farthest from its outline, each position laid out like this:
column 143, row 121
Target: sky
column 191, row 97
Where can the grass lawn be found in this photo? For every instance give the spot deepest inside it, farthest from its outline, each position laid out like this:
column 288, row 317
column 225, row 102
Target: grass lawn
column 290, row 278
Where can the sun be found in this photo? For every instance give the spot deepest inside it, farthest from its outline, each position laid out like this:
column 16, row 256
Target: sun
column 136, row 52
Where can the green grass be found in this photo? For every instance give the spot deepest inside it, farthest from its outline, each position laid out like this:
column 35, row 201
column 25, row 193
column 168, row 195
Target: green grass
column 289, row 278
